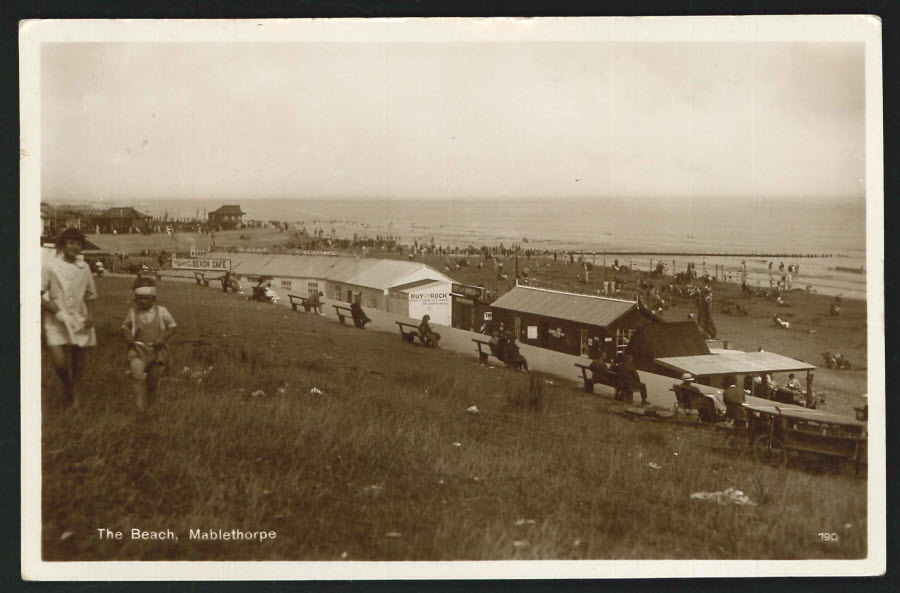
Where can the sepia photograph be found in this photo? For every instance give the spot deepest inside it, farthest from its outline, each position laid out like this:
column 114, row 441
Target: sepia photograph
column 329, row 299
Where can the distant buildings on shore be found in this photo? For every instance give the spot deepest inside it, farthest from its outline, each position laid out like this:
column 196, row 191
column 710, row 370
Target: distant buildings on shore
column 127, row 219
column 226, row 217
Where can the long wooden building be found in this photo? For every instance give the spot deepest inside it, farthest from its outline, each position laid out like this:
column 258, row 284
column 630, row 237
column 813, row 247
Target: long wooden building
column 568, row 322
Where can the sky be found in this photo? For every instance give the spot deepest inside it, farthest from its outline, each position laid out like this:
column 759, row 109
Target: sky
column 466, row 120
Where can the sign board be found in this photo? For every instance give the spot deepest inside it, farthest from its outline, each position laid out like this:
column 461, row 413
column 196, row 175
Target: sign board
column 488, row 315
column 201, row 263
column 532, row 332
column 473, row 292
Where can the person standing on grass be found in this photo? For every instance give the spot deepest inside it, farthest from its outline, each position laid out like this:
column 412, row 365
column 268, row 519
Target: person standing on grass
column 66, row 287
column 147, row 328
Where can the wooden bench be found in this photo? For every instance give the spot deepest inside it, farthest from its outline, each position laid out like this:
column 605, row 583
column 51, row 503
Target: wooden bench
column 519, row 363
column 202, row 280
column 611, row 379
column 690, row 399
column 408, row 334
column 342, row 313
column 482, row 353
column 299, row 301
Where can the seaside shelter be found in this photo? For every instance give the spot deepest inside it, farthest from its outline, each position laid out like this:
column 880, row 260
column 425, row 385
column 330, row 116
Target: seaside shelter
column 121, row 220
column 568, row 322
column 226, row 217
column 733, row 367
column 665, row 340
column 346, row 279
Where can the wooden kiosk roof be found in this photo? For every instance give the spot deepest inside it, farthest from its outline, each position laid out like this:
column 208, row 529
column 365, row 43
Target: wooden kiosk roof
column 733, row 362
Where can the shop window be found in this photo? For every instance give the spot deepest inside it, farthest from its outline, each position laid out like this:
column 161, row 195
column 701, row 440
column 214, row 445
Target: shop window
column 286, row 284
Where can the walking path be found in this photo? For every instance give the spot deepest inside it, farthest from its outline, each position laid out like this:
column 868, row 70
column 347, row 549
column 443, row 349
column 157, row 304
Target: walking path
column 550, row 362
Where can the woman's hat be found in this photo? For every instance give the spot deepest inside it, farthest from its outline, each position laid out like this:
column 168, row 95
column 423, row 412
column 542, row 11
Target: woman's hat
column 71, row 234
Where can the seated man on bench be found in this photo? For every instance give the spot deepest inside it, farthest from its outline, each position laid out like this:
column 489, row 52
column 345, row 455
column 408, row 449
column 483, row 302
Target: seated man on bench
column 314, row 303
column 229, row 282
column 630, row 380
column 360, row 319
column 426, row 335
column 600, row 369
column 494, row 344
column 512, row 358
column 734, row 398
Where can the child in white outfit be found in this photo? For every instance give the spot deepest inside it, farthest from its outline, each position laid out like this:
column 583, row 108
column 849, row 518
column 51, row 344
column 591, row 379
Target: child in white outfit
column 147, row 328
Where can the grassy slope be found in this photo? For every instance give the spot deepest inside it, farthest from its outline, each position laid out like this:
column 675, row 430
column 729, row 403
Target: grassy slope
column 375, row 454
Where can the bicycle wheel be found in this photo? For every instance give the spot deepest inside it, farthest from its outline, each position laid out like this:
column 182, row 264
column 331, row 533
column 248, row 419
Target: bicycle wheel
column 770, row 451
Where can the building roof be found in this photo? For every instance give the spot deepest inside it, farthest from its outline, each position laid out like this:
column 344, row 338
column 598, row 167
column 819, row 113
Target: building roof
column 410, row 286
column 123, row 212
column 232, row 210
column 666, row 340
column 582, row 308
column 733, row 362
column 370, row 273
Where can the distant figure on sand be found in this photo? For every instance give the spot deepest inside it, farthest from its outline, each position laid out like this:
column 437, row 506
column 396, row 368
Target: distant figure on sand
column 66, row 287
column 836, row 307
column 147, row 328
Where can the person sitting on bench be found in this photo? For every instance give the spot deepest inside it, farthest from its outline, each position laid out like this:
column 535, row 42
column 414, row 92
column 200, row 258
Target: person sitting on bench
column 314, row 303
column 513, row 358
column 360, row 319
column 493, row 344
column 600, row 368
column 502, row 342
column 631, row 380
column 229, row 282
column 428, row 337
column 687, row 383
column 794, row 383
column 734, row 397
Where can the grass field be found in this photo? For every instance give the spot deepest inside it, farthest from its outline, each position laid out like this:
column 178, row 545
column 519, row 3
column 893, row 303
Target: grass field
column 387, row 463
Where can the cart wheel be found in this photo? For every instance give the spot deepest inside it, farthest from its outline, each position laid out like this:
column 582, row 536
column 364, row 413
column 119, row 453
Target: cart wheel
column 770, row 451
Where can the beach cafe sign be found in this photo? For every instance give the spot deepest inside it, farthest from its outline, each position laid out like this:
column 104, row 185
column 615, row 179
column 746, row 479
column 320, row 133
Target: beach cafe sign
column 201, row 263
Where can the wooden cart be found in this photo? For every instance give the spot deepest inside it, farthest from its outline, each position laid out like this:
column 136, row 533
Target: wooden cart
column 774, row 431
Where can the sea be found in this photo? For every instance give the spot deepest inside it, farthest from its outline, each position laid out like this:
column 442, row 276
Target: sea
column 826, row 239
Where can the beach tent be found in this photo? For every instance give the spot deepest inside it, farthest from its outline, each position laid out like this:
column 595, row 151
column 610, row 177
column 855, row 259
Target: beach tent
column 665, row 340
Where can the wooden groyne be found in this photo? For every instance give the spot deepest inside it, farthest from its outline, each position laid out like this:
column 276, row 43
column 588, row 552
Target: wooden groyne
column 706, row 254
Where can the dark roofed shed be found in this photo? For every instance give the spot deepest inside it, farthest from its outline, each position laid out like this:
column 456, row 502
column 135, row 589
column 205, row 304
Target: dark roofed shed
column 664, row 340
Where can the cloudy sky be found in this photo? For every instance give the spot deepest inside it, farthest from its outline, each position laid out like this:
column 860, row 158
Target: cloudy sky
column 242, row 121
